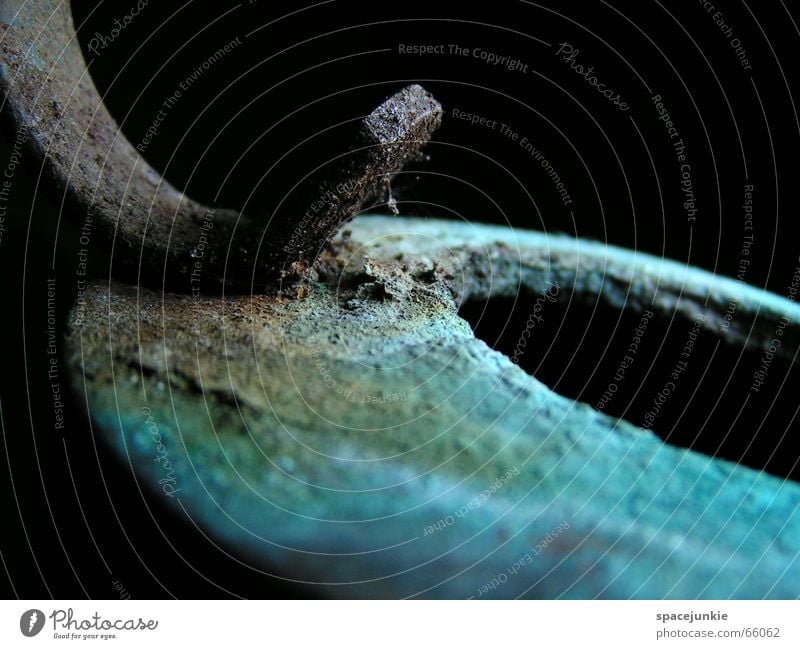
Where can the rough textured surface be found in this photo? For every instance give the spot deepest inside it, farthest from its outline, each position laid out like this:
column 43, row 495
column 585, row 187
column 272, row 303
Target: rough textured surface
column 50, row 101
column 334, row 438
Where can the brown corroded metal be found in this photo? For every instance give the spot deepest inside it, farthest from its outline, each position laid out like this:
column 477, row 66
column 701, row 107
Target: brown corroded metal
column 50, row 100
column 364, row 441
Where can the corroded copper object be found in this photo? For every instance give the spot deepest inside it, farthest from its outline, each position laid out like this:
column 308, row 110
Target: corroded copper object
column 336, row 438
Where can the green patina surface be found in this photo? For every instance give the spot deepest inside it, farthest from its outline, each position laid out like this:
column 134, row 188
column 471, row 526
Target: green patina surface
column 334, row 438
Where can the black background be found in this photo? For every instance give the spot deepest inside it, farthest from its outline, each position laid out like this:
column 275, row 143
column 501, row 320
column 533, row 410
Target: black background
column 71, row 528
